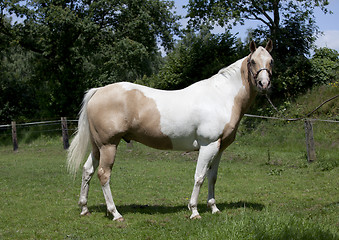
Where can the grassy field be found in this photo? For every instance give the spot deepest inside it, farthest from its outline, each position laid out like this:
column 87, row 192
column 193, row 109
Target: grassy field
column 265, row 188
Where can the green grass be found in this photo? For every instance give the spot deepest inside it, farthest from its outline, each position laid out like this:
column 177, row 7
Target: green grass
column 279, row 197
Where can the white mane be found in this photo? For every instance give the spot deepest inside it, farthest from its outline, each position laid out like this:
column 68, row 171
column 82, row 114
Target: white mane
column 231, row 69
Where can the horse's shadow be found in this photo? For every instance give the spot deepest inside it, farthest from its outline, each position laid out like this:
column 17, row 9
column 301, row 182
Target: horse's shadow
column 161, row 209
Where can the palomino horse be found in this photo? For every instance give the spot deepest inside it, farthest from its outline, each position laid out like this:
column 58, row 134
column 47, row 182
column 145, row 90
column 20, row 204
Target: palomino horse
column 203, row 117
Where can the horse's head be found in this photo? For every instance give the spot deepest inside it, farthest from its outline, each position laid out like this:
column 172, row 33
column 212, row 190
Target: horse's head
column 260, row 63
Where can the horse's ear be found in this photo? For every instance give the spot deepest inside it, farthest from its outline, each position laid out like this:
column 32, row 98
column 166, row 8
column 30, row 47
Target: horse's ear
column 269, row 46
column 253, row 47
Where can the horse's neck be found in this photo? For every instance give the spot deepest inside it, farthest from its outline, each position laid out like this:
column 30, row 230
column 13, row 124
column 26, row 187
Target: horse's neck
column 237, row 77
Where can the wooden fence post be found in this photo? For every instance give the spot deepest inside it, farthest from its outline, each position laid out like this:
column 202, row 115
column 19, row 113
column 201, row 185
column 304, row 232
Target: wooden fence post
column 311, row 157
column 64, row 132
column 14, row 137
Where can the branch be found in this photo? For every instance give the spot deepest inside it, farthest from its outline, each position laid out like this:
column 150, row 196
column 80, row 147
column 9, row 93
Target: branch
column 256, row 17
column 306, row 115
column 260, row 10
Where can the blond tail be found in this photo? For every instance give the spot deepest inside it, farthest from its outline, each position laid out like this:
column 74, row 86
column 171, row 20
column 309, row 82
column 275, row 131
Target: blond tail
column 79, row 145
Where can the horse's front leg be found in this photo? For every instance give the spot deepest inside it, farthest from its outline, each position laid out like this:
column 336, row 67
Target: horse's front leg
column 206, row 156
column 212, row 178
column 88, row 171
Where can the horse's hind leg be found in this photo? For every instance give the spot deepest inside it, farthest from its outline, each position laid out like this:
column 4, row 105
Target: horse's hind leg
column 107, row 156
column 88, row 171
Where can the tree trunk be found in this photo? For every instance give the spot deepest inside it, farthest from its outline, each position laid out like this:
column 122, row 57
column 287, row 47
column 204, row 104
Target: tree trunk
column 276, row 24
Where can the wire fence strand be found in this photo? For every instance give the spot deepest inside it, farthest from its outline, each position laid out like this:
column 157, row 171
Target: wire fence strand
column 56, row 122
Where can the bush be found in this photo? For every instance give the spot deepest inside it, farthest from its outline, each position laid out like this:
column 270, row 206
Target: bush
column 325, row 65
column 195, row 57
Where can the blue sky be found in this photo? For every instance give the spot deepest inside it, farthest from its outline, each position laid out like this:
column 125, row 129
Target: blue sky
column 328, row 24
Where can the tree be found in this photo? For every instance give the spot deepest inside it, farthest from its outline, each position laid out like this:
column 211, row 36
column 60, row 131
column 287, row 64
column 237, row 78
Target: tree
column 17, row 96
column 325, row 65
column 5, row 25
column 195, row 57
column 80, row 44
column 276, row 16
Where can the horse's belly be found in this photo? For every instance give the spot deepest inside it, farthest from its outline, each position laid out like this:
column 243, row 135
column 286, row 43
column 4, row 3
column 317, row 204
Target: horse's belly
column 187, row 143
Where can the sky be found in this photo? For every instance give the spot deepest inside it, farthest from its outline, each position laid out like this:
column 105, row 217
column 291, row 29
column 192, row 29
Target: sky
column 327, row 23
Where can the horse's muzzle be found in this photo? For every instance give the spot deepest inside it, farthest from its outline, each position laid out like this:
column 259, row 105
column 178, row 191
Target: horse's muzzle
column 264, row 84
column 263, row 80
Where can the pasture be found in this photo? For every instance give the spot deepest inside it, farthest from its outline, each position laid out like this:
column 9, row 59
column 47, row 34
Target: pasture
column 265, row 190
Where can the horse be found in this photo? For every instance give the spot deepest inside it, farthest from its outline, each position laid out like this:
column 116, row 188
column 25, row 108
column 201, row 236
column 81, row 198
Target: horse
column 202, row 117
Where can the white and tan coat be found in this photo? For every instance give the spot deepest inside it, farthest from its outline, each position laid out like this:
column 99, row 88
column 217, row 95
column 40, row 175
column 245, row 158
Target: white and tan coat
column 203, row 117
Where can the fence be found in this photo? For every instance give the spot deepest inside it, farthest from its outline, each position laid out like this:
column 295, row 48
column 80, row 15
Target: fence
column 63, row 128
column 309, row 136
column 62, row 123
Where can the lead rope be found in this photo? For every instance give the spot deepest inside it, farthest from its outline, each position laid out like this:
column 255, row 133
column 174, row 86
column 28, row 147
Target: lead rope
column 305, row 116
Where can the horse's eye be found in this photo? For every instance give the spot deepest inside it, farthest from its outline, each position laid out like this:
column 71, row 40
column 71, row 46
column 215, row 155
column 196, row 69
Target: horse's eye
column 253, row 62
column 272, row 62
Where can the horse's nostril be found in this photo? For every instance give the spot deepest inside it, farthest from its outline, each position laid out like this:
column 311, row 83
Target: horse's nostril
column 260, row 84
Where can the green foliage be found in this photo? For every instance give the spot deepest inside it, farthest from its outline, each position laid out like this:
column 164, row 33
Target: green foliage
column 17, row 94
column 195, row 57
column 292, row 77
column 81, row 44
column 325, row 65
column 271, row 13
column 299, row 74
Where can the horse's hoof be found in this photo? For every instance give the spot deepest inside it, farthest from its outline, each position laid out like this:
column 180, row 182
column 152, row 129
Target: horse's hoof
column 216, row 211
column 120, row 219
column 195, row 217
column 86, row 213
